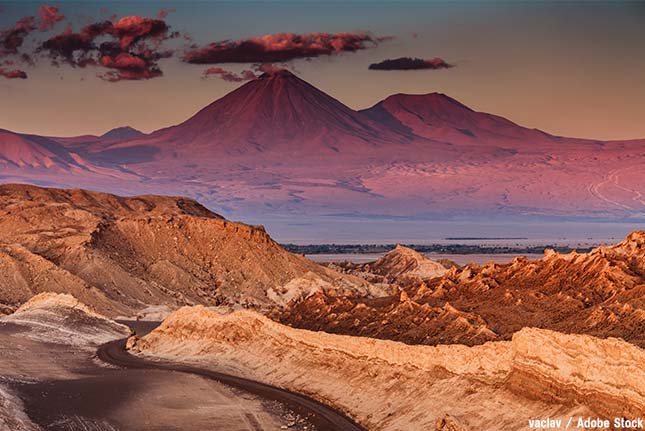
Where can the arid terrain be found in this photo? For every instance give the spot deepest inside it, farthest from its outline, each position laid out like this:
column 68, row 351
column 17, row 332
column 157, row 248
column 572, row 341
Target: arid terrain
column 364, row 215
column 146, row 254
column 599, row 293
column 386, row 385
column 254, row 337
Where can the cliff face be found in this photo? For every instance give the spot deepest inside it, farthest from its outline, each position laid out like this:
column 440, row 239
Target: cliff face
column 599, row 293
column 387, row 385
column 121, row 254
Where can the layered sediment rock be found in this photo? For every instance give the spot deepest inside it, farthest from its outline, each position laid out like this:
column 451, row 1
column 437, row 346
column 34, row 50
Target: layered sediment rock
column 387, row 385
column 606, row 375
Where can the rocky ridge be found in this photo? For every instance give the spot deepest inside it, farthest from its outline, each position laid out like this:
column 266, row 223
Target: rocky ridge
column 121, row 254
column 598, row 293
column 440, row 387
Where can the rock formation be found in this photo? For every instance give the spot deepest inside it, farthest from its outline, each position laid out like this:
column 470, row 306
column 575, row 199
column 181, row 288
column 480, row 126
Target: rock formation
column 61, row 318
column 122, row 254
column 386, row 385
column 598, row 293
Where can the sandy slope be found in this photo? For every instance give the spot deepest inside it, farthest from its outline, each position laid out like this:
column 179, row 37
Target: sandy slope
column 392, row 386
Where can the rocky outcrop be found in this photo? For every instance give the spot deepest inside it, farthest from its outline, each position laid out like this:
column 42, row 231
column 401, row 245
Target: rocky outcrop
column 387, row 385
column 122, row 254
column 61, row 318
column 403, row 261
column 599, row 293
column 398, row 266
column 395, row 318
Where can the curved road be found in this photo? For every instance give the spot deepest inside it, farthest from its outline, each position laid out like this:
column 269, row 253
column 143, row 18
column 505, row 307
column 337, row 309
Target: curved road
column 324, row 418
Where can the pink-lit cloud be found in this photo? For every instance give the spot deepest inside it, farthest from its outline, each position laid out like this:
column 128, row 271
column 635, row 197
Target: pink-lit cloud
column 245, row 75
column 408, row 63
column 280, row 47
column 131, row 29
column 226, row 75
column 13, row 74
column 163, row 13
column 49, row 16
column 129, row 47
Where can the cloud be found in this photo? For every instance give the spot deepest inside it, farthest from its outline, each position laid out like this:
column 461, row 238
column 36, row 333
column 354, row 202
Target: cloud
column 408, row 63
column 49, row 16
column 131, row 29
column 164, row 12
column 226, row 75
column 280, row 47
column 129, row 47
column 245, row 75
column 12, row 38
column 269, row 68
column 74, row 48
column 13, row 74
column 132, row 66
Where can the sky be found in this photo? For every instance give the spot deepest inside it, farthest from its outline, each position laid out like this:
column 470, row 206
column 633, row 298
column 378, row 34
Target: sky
column 569, row 68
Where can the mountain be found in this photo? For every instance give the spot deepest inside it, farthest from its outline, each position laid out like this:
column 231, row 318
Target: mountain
column 277, row 113
column 34, row 152
column 121, row 134
column 121, row 255
column 440, row 117
column 91, row 144
column 277, row 149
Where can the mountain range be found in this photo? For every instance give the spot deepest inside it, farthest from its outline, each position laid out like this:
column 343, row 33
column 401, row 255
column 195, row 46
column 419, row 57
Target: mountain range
column 279, row 147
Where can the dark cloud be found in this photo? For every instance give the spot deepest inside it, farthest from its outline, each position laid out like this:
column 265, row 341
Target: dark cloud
column 129, row 47
column 49, row 16
column 75, row 48
column 12, row 38
column 280, row 47
column 13, row 74
column 408, row 63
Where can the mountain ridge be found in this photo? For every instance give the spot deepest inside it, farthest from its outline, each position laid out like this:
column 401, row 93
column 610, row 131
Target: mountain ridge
column 276, row 146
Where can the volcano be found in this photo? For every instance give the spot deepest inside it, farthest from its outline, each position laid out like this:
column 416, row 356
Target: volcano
column 440, row 117
column 279, row 147
column 277, row 113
